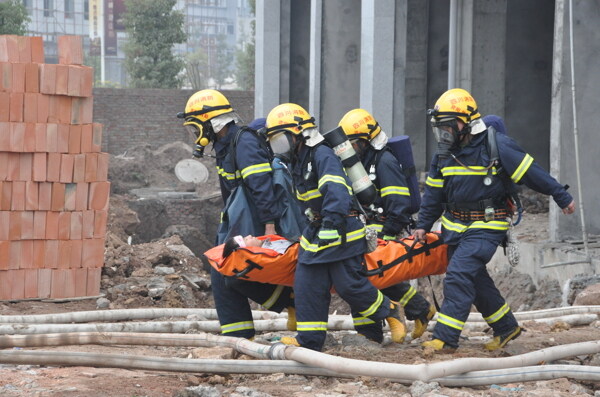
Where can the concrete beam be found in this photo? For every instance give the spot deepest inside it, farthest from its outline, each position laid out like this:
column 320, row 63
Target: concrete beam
column 268, row 31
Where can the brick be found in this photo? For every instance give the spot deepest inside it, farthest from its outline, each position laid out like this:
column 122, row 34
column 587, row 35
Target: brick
column 86, row 110
column 74, row 84
column 58, row 197
column 37, row 49
column 16, row 107
column 48, row 78
column 98, row 195
column 6, row 196
column 70, row 50
column 24, row 46
column 26, row 225
column 44, row 196
column 31, row 283
column 40, row 163
column 63, row 138
column 57, row 289
column 32, row 77
column 91, row 167
column 87, row 81
column 53, row 167
column 52, row 138
column 100, row 221
column 31, row 196
column 64, row 109
column 64, row 254
column 5, row 76
column 30, row 107
column 76, row 225
column 44, row 283
column 76, row 254
column 14, row 227
column 4, row 166
column 5, row 284
column 26, row 254
column 11, row 53
column 17, row 284
column 61, row 84
column 13, row 170
column 40, row 138
column 75, row 139
column 4, row 255
column 80, row 281
column 14, row 255
column 17, row 137
column 97, row 137
column 51, row 254
column 66, row 168
column 79, row 167
column 29, row 138
column 86, row 138
column 87, row 224
column 70, row 283
column 64, row 225
column 39, row 225
column 18, row 77
column 4, row 105
column 53, row 116
column 17, row 202
column 39, row 253
column 81, row 196
column 52, row 225
column 90, row 253
column 26, row 167
column 4, row 225
column 102, row 170
column 70, row 196
column 43, row 108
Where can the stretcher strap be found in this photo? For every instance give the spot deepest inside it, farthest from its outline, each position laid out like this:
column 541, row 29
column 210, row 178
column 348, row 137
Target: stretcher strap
column 251, row 265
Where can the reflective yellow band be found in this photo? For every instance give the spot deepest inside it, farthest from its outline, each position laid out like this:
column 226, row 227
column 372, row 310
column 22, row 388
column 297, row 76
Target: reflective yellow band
column 375, row 306
column 227, row 175
column 434, row 182
column 333, row 179
column 471, row 170
column 376, row 226
column 408, row 296
column 312, row 326
column 460, row 228
column 311, row 194
column 255, row 169
column 352, row 236
column 498, row 315
column 403, row 191
column 273, row 298
column 237, row 326
column 522, row 168
column 362, row 321
column 450, row 322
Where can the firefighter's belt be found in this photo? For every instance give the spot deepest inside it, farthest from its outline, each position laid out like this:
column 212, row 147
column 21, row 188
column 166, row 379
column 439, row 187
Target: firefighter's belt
column 469, row 216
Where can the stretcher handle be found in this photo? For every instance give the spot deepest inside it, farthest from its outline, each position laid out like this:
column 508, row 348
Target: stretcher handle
column 251, row 265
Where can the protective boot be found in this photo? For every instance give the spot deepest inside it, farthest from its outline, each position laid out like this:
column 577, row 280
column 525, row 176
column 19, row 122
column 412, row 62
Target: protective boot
column 291, row 321
column 438, row 345
column 290, row 341
column 501, row 340
column 421, row 323
column 396, row 323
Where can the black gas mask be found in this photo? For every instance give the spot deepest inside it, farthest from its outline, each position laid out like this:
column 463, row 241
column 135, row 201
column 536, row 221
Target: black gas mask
column 202, row 132
column 283, row 145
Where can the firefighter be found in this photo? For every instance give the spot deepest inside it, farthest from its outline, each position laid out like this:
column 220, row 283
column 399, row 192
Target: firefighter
column 390, row 214
column 471, row 193
column 332, row 245
column 210, row 118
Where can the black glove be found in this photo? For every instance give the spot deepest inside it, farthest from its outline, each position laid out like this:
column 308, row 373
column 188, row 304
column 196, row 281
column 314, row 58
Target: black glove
column 328, row 233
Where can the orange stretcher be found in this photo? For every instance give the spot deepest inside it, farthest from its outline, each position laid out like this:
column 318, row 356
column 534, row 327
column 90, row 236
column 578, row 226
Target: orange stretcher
column 391, row 263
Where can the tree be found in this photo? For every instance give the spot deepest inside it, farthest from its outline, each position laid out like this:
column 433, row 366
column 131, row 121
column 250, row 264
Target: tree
column 196, row 67
column 223, row 62
column 153, row 27
column 245, row 58
column 13, row 18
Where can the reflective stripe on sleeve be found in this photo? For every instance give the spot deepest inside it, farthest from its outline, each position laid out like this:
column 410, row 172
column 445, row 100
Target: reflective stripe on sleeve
column 434, row 182
column 522, row 168
column 352, row 236
column 256, row 169
column 403, row 191
column 328, row 178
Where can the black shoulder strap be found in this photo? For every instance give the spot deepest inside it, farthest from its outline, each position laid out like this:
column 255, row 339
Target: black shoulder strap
column 492, row 145
column 261, row 141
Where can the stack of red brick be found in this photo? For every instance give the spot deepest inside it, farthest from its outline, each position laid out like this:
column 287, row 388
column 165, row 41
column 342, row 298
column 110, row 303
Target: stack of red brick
column 54, row 185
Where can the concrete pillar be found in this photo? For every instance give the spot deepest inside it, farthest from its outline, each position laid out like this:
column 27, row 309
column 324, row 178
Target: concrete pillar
column 377, row 60
column 268, row 68
column 460, row 47
column 314, row 91
column 300, row 52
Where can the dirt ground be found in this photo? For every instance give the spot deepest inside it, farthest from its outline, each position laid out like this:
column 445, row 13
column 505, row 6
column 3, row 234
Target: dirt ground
column 165, row 273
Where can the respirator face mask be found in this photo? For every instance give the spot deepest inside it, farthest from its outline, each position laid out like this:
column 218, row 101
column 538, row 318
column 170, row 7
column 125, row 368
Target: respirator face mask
column 282, row 145
column 446, row 137
column 202, row 133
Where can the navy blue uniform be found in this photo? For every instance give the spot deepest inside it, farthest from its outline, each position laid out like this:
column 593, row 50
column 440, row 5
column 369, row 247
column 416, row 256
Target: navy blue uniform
column 254, row 170
column 328, row 194
column 393, row 197
column 473, row 243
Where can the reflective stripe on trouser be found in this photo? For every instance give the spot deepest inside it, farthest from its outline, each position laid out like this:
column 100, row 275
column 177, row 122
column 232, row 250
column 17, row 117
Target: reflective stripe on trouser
column 415, row 306
column 467, row 282
column 231, row 301
column 312, row 288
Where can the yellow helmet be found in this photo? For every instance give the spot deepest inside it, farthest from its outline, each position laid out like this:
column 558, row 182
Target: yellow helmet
column 455, row 104
column 289, row 117
column 360, row 124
